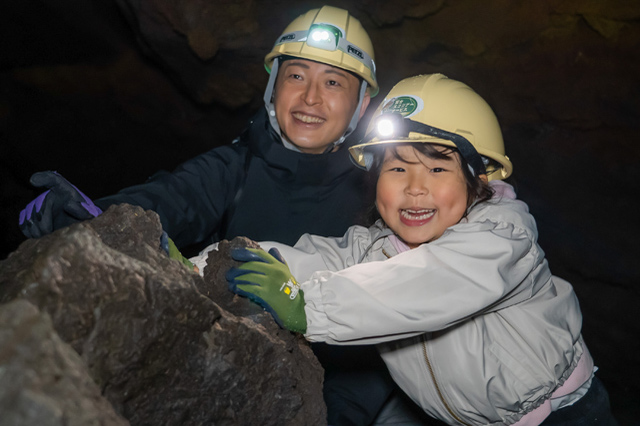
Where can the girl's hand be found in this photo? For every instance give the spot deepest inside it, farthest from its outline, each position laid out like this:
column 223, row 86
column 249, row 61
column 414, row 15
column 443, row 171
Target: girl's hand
column 265, row 279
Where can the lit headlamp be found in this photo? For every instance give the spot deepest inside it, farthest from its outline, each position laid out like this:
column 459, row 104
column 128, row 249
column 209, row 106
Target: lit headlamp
column 324, row 36
column 389, row 126
column 392, row 126
column 331, row 38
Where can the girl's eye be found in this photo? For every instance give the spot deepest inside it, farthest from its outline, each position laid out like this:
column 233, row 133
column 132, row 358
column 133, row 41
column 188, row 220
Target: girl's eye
column 438, row 170
column 397, row 169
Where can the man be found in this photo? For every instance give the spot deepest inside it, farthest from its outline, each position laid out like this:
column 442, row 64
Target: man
column 284, row 176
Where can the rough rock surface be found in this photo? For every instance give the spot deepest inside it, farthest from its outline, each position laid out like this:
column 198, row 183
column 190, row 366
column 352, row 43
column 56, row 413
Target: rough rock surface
column 43, row 381
column 160, row 351
column 218, row 263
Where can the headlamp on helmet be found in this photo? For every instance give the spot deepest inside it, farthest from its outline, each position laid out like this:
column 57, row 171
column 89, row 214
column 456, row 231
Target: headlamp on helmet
column 330, row 38
column 392, row 126
column 324, row 36
column 386, row 126
column 434, row 109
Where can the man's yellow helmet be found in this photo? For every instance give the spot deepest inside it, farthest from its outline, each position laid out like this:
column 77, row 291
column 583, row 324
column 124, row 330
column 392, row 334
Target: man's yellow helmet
column 435, row 109
column 331, row 36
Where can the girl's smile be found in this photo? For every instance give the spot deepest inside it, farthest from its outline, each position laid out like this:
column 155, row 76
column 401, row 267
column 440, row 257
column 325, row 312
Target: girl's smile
column 419, row 197
column 416, row 216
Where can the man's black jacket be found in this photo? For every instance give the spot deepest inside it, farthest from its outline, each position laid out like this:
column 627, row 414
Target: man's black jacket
column 256, row 188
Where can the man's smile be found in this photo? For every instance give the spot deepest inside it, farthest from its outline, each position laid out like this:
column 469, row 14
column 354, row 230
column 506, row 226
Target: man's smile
column 309, row 119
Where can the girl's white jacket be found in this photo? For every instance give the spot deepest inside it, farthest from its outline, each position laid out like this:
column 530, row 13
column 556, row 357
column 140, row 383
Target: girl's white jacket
column 472, row 326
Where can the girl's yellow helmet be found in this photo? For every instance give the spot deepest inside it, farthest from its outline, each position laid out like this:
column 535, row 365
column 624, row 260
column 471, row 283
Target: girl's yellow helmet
column 438, row 110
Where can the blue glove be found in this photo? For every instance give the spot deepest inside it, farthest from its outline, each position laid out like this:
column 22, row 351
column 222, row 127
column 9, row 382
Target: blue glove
column 61, row 205
column 265, row 279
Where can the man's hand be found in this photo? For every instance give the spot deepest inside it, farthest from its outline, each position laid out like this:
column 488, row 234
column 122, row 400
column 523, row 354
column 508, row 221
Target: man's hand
column 265, row 279
column 61, row 205
column 172, row 251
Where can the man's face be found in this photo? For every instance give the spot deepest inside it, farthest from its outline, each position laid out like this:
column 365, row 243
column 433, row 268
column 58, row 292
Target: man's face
column 314, row 103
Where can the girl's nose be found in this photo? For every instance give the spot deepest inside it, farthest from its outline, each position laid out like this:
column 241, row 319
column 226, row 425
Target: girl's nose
column 416, row 185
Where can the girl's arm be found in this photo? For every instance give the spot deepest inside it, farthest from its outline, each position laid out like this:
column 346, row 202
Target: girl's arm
column 314, row 253
column 471, row 269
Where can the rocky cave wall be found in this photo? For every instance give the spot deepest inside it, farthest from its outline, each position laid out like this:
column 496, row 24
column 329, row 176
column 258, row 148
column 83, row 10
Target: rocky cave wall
column 108, row 93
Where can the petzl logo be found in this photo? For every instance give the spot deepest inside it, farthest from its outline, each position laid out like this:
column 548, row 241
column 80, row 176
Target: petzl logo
column 403, row 105
column 352, row 50
column 286, row 38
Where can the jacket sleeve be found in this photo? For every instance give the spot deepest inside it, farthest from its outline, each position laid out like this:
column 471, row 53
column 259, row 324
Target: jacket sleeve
column 471, row 269
column 192, row 200
column 314, row 253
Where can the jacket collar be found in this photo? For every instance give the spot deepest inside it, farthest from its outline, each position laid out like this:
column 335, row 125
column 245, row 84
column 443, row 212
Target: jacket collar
column 264, row 142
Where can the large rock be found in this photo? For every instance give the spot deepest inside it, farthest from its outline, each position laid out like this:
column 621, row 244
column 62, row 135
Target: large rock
column 159, row 350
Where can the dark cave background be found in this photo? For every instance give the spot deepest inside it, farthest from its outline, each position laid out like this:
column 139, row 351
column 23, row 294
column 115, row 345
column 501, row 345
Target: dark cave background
column 109, row 92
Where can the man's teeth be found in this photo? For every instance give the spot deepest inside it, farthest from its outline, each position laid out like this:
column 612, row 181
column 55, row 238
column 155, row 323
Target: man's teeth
column 308, row 118
column 417, row 214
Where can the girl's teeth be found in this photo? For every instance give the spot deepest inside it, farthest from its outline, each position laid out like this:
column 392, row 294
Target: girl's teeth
column 417, row 215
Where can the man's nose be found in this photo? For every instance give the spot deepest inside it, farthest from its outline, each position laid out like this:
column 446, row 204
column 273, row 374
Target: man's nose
column 311, row 95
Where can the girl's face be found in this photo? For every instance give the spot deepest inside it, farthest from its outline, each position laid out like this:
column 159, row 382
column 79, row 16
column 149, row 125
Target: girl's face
column 419, row 197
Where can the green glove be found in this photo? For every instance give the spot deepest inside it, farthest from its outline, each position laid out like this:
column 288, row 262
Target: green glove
column 265, row 279
column 170, row 248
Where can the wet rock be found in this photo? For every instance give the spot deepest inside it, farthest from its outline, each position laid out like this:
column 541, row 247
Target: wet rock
column 160, row 351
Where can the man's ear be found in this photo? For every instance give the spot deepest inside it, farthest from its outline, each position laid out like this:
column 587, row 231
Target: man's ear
column 365, row 103
column 484, row 178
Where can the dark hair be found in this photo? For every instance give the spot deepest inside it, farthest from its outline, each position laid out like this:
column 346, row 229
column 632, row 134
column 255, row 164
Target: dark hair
column 478, row 190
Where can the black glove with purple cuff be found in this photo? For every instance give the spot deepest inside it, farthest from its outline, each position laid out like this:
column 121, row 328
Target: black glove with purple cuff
column 61, row 205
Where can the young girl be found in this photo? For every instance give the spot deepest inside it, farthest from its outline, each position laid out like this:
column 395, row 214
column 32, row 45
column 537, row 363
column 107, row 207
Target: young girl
column 450, row 283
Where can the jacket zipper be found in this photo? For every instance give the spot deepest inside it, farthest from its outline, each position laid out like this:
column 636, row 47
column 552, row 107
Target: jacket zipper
column 435, row 383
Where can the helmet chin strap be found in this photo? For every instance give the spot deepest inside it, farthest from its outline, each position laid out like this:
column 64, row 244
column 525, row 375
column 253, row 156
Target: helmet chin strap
column 356, row 114
column 268, row 96
column 271, row 111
